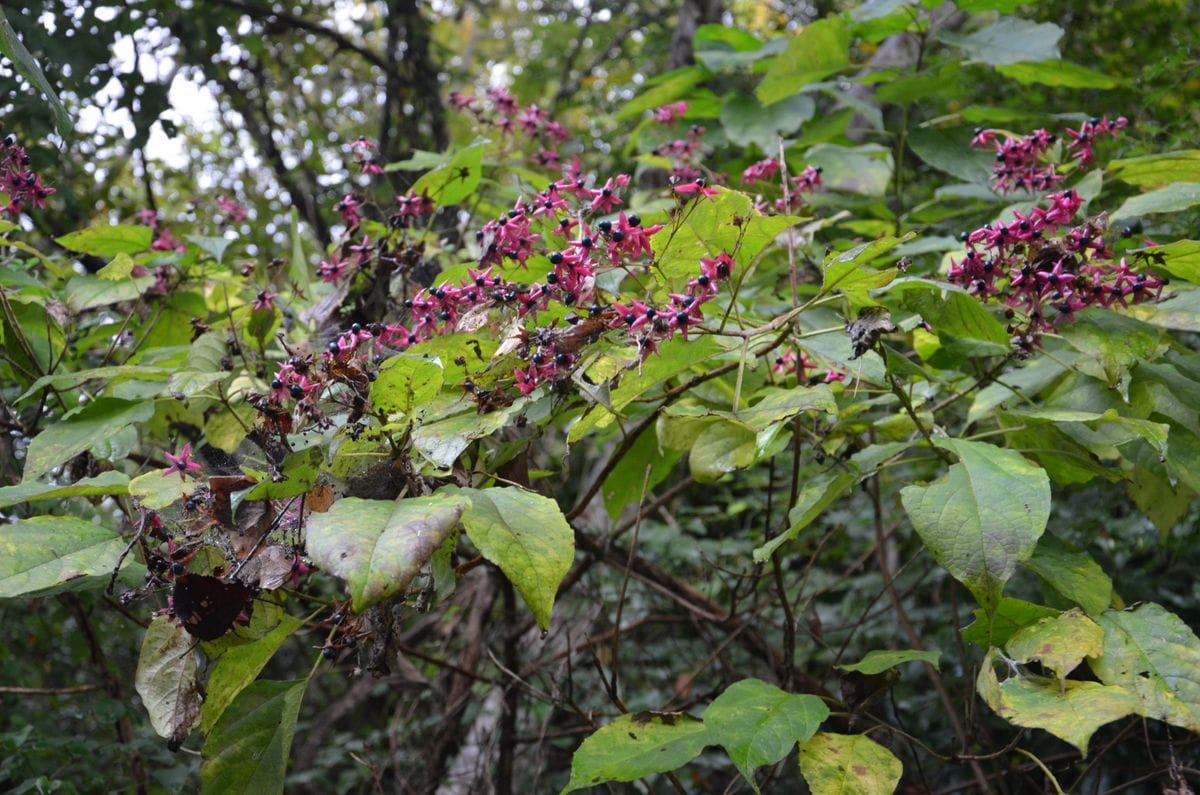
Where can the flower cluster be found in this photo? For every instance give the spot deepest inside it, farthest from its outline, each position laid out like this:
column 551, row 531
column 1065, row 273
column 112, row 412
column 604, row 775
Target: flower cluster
column 1045, row 276
column 579, row 212
column 790, row 363
column 500, row 109
column 21, row 185
column 164, row 239
column 410, row 208
column 670, row 113
column 363, row 149
column 1018, row 164
column 233, row 212
column 346, row 260
column 683, row 153
column 766, row 171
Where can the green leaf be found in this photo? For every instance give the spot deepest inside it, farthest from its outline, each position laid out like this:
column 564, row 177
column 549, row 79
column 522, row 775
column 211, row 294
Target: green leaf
column 1154, row 655
column 633, row 746
column 527, row 536
column 121, row 267
column 212, row 246
column 983, row 517
column 1058, row 642
column 955, row 314
column 87, row 292
column 32, row 490
column 994, row 629
column 71, row 380
column 721, row 448
column 70, row 436
column 878, row 660
column 420, row 161
column 161, row 487
column 776, row 404
column 247, row 751
column 817, row 51
column 668, row 88
column 1060, row 74
column 949, row 150
column 1071, row 573
column 1181, row 258
column 442, row 442
column 108, row 241
column 1009, row 40
column 815, row 496
column 456, row 180
column 864, row 169
column 758, row 724
column 1155, row 171
column 1070, row 710
column 708, row 229
column 240, row 666
column 747, row 122
column 719, row 47
column 166, row 679
column 379, row 546
column 839, row 764
column 1168, row 199
column 27, row 66
column 675, row 356
column 45, row 555
column 847, row 270
column 406, row 381
column 1114, row 343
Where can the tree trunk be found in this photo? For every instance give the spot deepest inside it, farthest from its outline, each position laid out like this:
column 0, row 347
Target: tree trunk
column 692, row 14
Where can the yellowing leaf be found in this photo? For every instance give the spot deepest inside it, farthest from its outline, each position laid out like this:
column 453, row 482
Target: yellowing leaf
column 840, row 764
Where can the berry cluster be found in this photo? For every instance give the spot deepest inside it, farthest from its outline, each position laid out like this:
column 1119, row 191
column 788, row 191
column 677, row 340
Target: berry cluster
column 21, row 185
column 1047, row 277
column 500, row 109
column 1019, row 165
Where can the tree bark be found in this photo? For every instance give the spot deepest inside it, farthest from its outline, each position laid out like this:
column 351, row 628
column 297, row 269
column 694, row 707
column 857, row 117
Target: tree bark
column 692, row 14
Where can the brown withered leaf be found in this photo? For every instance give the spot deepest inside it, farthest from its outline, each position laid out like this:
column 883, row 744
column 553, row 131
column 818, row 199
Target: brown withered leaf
column 320, row 497
column 267, row 569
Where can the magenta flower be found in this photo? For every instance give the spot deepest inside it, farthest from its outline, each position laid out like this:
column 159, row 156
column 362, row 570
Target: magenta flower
column 182, row 463
column 265, row 300
column 697, row 186
column 231, row 209
column 669, row 113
